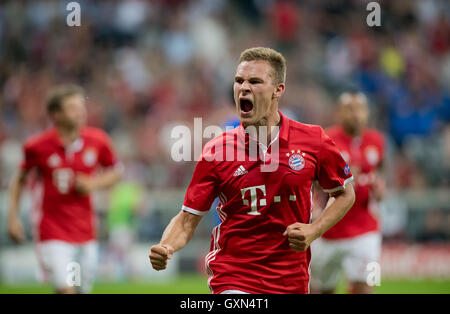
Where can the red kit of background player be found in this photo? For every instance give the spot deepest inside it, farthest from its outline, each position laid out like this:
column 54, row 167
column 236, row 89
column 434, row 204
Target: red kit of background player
column 65, row 214
column 364, row 155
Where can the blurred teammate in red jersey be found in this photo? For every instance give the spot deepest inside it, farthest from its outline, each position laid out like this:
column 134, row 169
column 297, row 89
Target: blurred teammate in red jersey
column 65, row 159
column 262, row 243
column 355, row 241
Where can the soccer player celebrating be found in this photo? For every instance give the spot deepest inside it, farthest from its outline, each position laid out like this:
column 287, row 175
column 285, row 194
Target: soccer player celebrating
column 262, row 243
column 65, row 159
column 355, row 241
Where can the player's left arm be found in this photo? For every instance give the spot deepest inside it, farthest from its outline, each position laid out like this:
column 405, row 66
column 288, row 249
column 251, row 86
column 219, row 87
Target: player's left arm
column 335, row 177
column 379, row 183
column 379, row 179
column 107, row 178
column 320, row 200
column 111, row 173
column 301, row 235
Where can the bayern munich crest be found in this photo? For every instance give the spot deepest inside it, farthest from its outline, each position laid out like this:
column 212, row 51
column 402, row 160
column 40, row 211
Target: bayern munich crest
column 296, row 160
column 90, row 157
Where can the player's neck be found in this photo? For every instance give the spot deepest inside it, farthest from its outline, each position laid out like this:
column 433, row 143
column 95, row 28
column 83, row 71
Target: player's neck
column 273, row 127
column 68, row 135
column 270, row 126
column 352, row 132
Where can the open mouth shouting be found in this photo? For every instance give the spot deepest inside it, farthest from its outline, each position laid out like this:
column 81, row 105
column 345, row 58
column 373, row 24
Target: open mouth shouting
column 246, row 106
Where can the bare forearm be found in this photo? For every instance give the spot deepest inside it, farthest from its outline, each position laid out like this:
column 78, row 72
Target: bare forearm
column 180, row 230
column 336, row 210
column 15, row 190
column 107, row 178
column 15, row 228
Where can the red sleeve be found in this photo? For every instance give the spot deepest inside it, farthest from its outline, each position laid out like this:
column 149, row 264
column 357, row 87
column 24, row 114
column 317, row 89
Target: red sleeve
column 107, row 155
column 203, row 188
column 333, row 172
column 30, row 157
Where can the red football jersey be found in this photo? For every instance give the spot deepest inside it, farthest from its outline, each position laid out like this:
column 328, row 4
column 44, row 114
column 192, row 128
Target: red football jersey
column 248, row 249
column 364, row 154
column 64, row 213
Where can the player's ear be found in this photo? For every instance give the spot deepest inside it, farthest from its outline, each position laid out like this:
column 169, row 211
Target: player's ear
column 279, row 90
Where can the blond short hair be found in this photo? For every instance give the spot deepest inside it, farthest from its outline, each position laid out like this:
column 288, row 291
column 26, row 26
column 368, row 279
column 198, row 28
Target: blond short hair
column 273, row 57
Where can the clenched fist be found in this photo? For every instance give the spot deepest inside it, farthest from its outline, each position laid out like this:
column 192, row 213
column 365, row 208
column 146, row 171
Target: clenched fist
column 160, row 255
column 300, row 236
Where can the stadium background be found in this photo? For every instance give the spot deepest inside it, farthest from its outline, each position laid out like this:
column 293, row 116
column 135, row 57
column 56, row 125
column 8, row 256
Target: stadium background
column 148, row 66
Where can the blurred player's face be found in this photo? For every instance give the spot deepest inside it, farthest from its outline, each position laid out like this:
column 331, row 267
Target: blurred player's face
column 353, row 113
column 73, row 112
column 255, row 94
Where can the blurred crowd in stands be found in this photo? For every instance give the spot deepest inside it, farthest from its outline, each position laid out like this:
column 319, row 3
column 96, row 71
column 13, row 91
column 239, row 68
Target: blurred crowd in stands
column 150, row 65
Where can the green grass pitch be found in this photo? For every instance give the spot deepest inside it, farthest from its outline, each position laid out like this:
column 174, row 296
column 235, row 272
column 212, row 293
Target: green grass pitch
column 192, row 283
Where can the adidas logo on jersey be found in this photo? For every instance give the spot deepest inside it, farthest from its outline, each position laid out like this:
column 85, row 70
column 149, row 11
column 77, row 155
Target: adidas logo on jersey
column 240, row 171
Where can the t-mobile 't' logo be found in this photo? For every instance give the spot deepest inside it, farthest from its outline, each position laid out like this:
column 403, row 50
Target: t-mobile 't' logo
column 254, row 198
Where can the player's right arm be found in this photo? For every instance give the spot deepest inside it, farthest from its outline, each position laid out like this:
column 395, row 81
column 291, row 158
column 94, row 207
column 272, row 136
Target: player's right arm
column 200, row 194
column 177, row 234
column 379, row 183
column 15, row 228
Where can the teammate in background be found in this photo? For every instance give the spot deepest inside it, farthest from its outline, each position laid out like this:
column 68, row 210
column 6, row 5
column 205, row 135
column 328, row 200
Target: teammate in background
column 262, row 244
column 355, row 241
column 65, row 159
